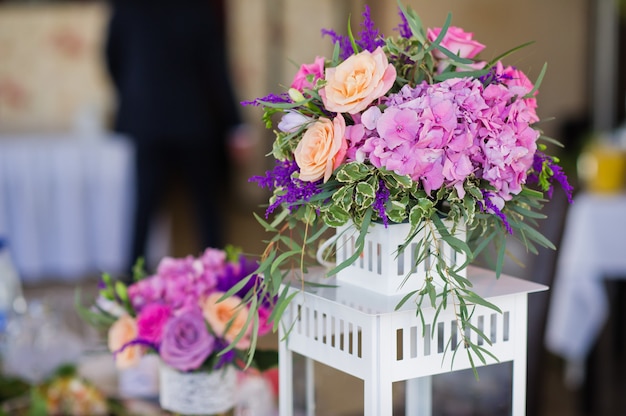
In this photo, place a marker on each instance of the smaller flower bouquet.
(184, 314)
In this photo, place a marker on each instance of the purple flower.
(294, 192)
(369, 36)
(554, 172)
(368, 39)
(186, 341)
(382, 196)
(225, 358)
(270, 98)
(492, 208)
(345, 46)
(403, 27)
(234, 273)
(561, 178)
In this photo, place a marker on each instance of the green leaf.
(501, 244)
(359, 244)
(484, 242)
(436, 44)
(538, 82)
(417, 215)
(531, 193)
(244, 328)
(415, 24)
(265, 359)
(507, 53)
(460, 74)
(474, 298)
(336, 51)
(402, 180)
(352, 172)
(237, 287)
(100, 319)
(283, 301)
(280, 259)
(527, 212)
(264, 223)
(405, 299)
(343, 197)
(537, 236)
(366, 190)
(355, 47)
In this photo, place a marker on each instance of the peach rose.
(218, 315)
(322, 149)
(356, 82)
(121, 333)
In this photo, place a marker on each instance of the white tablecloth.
(65, 204)
(593, 248)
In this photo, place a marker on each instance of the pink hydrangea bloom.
(441, 134)
(145, 291)
(519, 84)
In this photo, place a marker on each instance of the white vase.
(383, 268)
(197, 393)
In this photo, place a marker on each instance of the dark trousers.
(158, 164)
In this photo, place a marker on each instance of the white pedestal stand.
(360, 333)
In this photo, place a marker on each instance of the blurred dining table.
(65, 203)
(593, 249)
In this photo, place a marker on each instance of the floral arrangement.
(413, 129)
(64, 392)
(183, 314)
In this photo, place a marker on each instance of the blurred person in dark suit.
(168, 62)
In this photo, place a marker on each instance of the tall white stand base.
(362, 334)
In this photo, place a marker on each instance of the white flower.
(292, 121)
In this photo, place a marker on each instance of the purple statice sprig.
(493, 77)
(382, 196)
(369, 38)
(489, 207)
(137, 341)
(226, 358)
(345, 46)
(545, 171)
(403, 27)
(270, 98)
(272, 104)
(293, 192)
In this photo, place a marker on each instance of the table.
(593, 248)
(362, 334)
(65, 203)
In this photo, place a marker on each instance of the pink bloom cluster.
(180, 282)
(439, 134)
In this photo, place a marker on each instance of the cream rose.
(219, 314)
(356, 82)
(321, 149)
(121, 333)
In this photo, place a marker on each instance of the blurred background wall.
(50, 65)
(51, 73)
